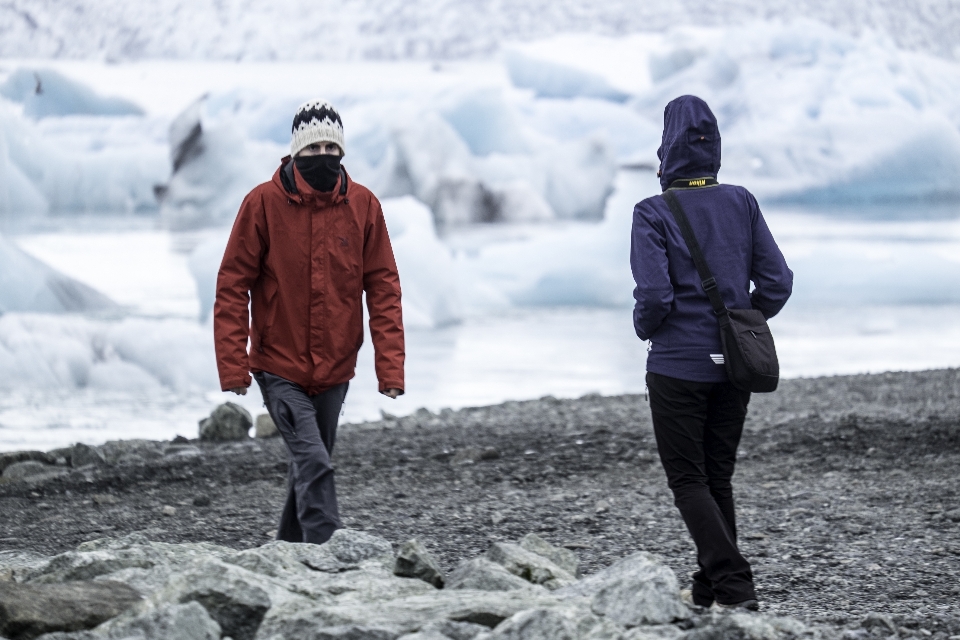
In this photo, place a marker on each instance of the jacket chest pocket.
(345, 248)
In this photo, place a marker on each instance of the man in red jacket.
(304, 249)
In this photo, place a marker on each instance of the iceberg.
(133, 355)
(213, 167)
(27, 284)
(550, 79)
(45, 93)
(77, 164)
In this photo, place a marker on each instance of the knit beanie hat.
(316, 121)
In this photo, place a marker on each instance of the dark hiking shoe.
(749, 605)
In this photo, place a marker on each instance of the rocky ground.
(847, 489)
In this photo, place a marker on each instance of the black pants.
(698, 427)
(308, 425)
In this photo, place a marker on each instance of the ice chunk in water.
(45, 93)
(27, 284)
(554, 80)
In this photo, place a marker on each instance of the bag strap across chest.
(707, 280)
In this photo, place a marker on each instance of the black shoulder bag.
(749, 354)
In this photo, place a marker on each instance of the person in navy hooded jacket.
(697, 414)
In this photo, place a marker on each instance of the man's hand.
(392, 393)
(240, 391)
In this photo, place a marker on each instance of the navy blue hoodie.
(672, 310)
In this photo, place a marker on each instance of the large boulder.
(31, 471)
(414, 561)
(403, 615)
(531, 567)
(639, 589)
(28, 610)
(180, 621)
(537, 624)
(8, 458)
(82, 455)
(238, 605)
(265, 426)
(563, 558)
(15, 566)
(483, 575)
(724, 626)
(229, 421)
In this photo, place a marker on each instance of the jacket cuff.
(233, 383)
(391, 384)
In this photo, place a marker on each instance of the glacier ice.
(550, 79)
(46, 92)
(77, 164)
(27, 284)
(40, 351)
(431, 297)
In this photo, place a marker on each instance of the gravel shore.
(847, 492)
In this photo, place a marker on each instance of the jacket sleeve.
(381, 282)
(648, 260)
(239, 269)
(772, 279)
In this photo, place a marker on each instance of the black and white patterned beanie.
(316, 121)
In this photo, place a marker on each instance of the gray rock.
(350, 632)
(953, 514)
(237, 605)
(229, 421)
(483, 575)
(536, 624)
(182, 451)
(748, 627)
(425, 635)
(346, 550)
(15, 566)
(638, 589)
(884, 623)
(32, 471)
(448, 629)
(414, 561)
(84, 454)
(529, 566)
(265, 428)
(653, 632)
(563, 558)
(401, 615)
(181, 622)
(352, 546)
(28, 610)
(12, 457)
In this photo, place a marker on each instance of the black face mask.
(320, 172)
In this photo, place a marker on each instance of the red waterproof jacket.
(302, 260)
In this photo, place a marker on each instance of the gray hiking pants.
(308, 425)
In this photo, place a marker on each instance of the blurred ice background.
(508, 143)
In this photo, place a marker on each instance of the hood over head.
(691, 141)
